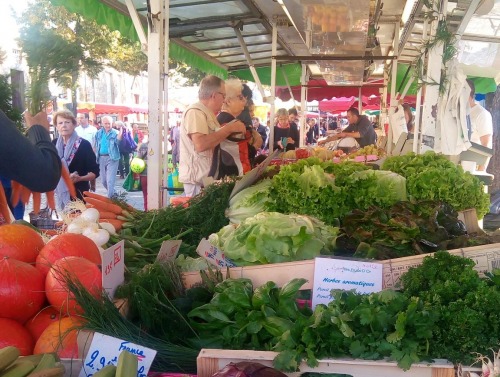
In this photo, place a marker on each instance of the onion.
(108, 227)
(74, 227)
(99, 236)
(91, 215)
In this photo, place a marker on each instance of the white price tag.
(213, 255)
(105, 350)
(113, 267)
(329, 273)
(168, 250)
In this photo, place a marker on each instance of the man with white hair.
(107, 152)
(200, 133)
(86, 131)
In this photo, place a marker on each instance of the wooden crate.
(486, 257)
(210, 361)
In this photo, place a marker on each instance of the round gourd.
(60, 337)
(137, 165)
(21, 290)
(14, 334)
(67, 245)
(20, 242)
(78, 269)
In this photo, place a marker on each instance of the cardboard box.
(210, 361)
(486, 257)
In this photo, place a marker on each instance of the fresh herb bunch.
(432, 176)
(384, 324)
(467, 306)
(204, 215)
(239, 317)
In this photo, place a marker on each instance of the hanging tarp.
(318, 90)
(104, 15)
(292, 72)
(336, 105)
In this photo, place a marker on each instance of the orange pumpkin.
(77, 269)
(20, 242)
(21, 290)
(14, 334)
(67, 245)
(60, 337)
(37, 324)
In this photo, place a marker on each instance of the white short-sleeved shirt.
(482, 124)
(87, 133)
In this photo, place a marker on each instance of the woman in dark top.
(76, 154)
(284, 131)
(31, 161)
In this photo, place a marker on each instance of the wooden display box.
(210, 361)
(486, 257)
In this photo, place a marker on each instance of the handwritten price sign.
(113, 267)
(213, 255)
(330, 273)
(104, 350)
(168, 250)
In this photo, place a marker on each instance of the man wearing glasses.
(200, 133)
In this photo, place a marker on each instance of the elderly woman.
(286, 134)
(76, 155)
(108, 153)
(233, 106)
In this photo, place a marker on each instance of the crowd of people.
(219, 136)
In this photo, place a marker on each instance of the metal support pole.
(394, 77)
(303, 98)
(155, 55)
(137, 24)
(166, 124)
(274, 44)
(249, 61)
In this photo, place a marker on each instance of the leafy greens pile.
(272, 237)
(431, 176)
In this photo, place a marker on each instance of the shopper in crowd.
(333, 125)
(286, 134)
(200, 133)
(108, 153)
(293, 116)
(126, 146)
(262, 130)
(409, 118)
(76, 155)
(31, 161)
(312, 134)
(481, 123)
(174, 141)
(359, 128)
(87, 131)
(142, 152)
(137, 134)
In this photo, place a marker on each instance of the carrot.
(100, 197)
(102, 206)
(117, 224)
(25, 194)
(4, 206)
(37, 202)
(107, 215)
(15, 196)
(51, 201)
(50, 232)
(69, 183)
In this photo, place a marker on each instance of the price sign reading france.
(104, 350)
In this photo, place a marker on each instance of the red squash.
(67, 245)
(77, 269)
(14, 334)
(21, 290)
(37, 324)
(20, 242)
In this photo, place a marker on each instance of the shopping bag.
(132, 182)
(173, 182)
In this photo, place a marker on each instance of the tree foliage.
(6, 97)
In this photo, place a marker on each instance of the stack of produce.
(33, 274)
(42, 365)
